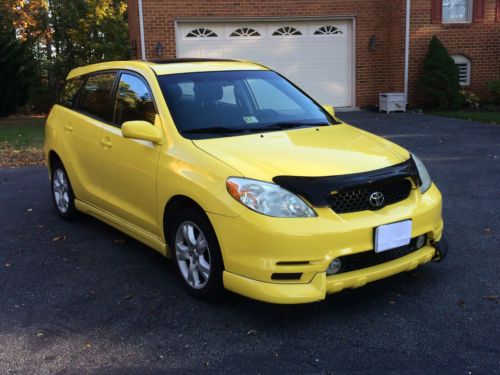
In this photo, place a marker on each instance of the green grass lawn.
(488, 117)
(23, 133)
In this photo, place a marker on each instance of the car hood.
(323, 151)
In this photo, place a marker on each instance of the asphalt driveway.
(82, 297)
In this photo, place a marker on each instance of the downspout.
(407, 48)
(141, 30)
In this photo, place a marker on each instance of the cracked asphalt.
(83, 298)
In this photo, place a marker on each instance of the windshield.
(215, 104)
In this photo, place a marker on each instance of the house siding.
(378, 70)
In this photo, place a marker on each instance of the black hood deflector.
(317, 190)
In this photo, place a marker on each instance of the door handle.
(106, 142)
(68, 128)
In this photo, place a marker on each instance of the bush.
(471, 99)
(494, 89)
(439, 81)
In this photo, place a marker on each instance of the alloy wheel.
(193, 254)
(61, 190)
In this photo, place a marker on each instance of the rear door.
(129, 165)
(82, 128)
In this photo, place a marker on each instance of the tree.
(439, 81)
(64, 34)
(16, 69)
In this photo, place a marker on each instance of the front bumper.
(321, 284)
(256, 247)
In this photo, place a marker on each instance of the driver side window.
(133, 101)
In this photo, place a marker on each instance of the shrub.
(471, 99)
(494, 89)
(439, 81)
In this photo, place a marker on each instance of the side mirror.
(141, 130)
(329, 109)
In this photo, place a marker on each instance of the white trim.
(141, 29)
(407, 48)
(467, 21)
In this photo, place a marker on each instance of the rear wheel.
(62, 193)
(196, 254)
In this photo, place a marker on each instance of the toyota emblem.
(376, 199)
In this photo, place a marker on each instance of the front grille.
(367, 259)
(358, 199)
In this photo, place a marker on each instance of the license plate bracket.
(391, 236)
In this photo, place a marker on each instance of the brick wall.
(377, 70)
(480, 42)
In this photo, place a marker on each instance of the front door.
(129, 166)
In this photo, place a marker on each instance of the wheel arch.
(53, 157)
(175, 204)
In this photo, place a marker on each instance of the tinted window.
(68, 94)
(94, 98)
(133, 101)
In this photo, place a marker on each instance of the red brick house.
(343, 52)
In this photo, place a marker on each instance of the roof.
(172, 66)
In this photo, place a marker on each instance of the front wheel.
(62, 193)
(196, 254)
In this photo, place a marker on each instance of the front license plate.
(390, 236)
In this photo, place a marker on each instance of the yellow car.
(240, 177)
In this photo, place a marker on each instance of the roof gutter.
(407, 48)
(141, 30)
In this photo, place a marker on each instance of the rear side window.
(133, 101)
(94, 98)
(67, 97)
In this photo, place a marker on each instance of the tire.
(196, 254)
(62, 193)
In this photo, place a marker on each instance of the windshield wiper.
(215, 130)
(287, 125)
(250, 129)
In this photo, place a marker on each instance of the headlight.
(425, 178)
(268, 199)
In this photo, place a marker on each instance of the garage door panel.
(316, 55)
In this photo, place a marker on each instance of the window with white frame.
(464, 68)
(457, 11)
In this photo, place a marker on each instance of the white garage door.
(316, 55)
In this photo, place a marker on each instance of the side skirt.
(124, 226)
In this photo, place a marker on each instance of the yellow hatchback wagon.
(240, 177)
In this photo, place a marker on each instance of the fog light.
(334, 267)
(420, 241)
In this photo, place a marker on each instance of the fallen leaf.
(11, 157)
(7, 265)
(252, 332)
(29, 209)
(490, 298)
(88, 345)
(58, 238)
(39, 334)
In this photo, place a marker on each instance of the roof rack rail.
(185, 60)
